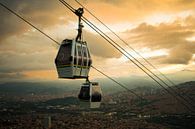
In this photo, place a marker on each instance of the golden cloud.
(171, 36)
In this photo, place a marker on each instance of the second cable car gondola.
(91, 93)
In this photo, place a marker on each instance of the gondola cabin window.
(85, 56)
(64, 52)
(84, 52)
(79, 55)
(75, 56)
(79, 50)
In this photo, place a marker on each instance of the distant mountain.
(159, 101)
(163, 102)
(190, 84)
(61, 87)
(36, 88)
(182, 76)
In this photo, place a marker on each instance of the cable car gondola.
(73, 59)
(91, 93)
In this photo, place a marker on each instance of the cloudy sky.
(161, 31)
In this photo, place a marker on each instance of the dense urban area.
(120, 110)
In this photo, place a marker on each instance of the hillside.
(162, 102)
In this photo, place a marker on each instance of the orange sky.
(162, 31)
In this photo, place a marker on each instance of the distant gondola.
(91, 93)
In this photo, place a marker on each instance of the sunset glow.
(161, 31)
